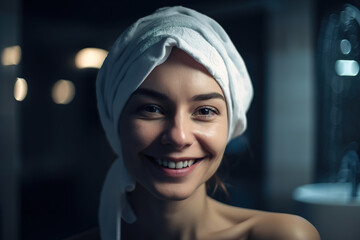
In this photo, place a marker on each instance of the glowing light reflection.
(11, 55)
(90, 58)
(63, 92)
(20, 89)
(345, 46)
(347, 67)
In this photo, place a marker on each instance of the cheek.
(213, 138)
(136, 135)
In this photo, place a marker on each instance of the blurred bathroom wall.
(290, 116)
(339, 86)
(311, 112)
(10, 165)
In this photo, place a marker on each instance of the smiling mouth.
(174, 164)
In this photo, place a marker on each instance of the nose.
(179, 132)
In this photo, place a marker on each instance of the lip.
(173, 159)
(173, 172)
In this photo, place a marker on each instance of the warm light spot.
(90, 58)
(11, 56)
(347, 68)
(63, 92)
(20, 89)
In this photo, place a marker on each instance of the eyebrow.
(161, 96)
(208, 96)
(151, 93)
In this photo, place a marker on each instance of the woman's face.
(174, 128)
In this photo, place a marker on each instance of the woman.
(171, 94)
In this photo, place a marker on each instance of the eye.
(206, 113)
(150, 111)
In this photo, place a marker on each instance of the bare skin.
(204, 218)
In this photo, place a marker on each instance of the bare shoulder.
(279, 226)
(260, 225)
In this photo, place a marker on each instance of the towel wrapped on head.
(143, 46)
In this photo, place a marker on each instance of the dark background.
(63, 149)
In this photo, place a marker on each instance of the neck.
(167, 219)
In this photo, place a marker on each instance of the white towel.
(143, 46)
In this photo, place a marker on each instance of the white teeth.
(173, 165)
(179, 165)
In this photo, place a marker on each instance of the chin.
(173, 192)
